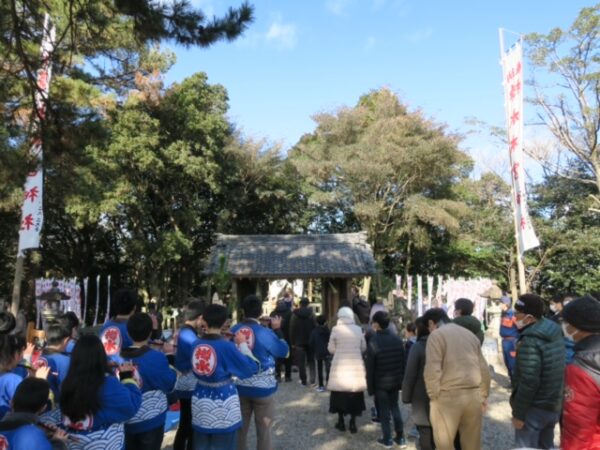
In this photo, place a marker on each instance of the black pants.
(148, 440)
(388, 409)
(304, 354)
(183, 437)
(284, 364)
(320, 363)
(426, 438)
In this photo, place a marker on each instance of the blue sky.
(307, 56)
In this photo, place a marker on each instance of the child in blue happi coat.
(215, 404)
(94, 403)
(146, 429)
(114, 334)
(186, 382)
(256, 393)
(53, 357)
(70, 321)
(21, 429)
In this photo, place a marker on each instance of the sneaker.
(321, 389)
(385, 444)
(303, 383)
(400, 442)
(414, 433)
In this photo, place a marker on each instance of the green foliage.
(380, 168)
(568, 101)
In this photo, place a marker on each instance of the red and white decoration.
(204, 360)
(512, 68)
(32, 213)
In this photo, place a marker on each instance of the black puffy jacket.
(301, 325)
(385, 362)
(538, 377)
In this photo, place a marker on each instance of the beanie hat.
(583, 313)
(345, 313)
(530, 304)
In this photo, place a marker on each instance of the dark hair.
(139, 327)
(436, 315)
(69, 320)
(215, 315)
(321, 319)
(193, 310)
(382, 319)
(411, 327)
(558, 298)
(10, 345)
(7, 322)
(151, 306)
(464, 305)
(31, 395)
(252, 306)
(421, 327)
(57, 333)
(125, 301)
(79, 393)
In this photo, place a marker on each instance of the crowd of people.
(112, 389)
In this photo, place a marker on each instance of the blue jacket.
(19, 432)
(59, 366)
(118, 403)
(186, 383)
(8, 385)
(156, 379)
(508, 326)
(265, 346)
(114, 337)
(70, 346)
(215, 403)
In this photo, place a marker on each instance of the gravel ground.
(302, 420)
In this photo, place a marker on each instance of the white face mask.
(553, 307)
(568, 335)
(521, 323)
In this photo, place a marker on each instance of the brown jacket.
(453, 361)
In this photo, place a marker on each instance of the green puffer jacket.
(538, 376)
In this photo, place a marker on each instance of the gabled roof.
(293, 256)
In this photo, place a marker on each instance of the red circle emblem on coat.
(111, 339)
(204, 360)
(39, 363)
(3, 443)
(248, 334)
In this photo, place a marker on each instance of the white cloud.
(421, 35)
(282, 35)
(370, 43)
(338, 7)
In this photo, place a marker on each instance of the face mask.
(553, 308)
(568, 335)
(521, 323)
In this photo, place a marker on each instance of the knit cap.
(583, 313)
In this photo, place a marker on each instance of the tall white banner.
(512, 69)
(32, 213)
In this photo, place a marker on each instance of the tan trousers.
(457, 411)
(264, 413)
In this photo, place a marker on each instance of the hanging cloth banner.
(512, 69)
(409, 287)
(430, 292)
(419, 295)
(108, 300)
(86, 281)
(97, 300)
(32, 213)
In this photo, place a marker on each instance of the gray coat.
(413, 385)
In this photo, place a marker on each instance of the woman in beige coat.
(347, 379)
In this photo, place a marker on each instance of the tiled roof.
(293, 255)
